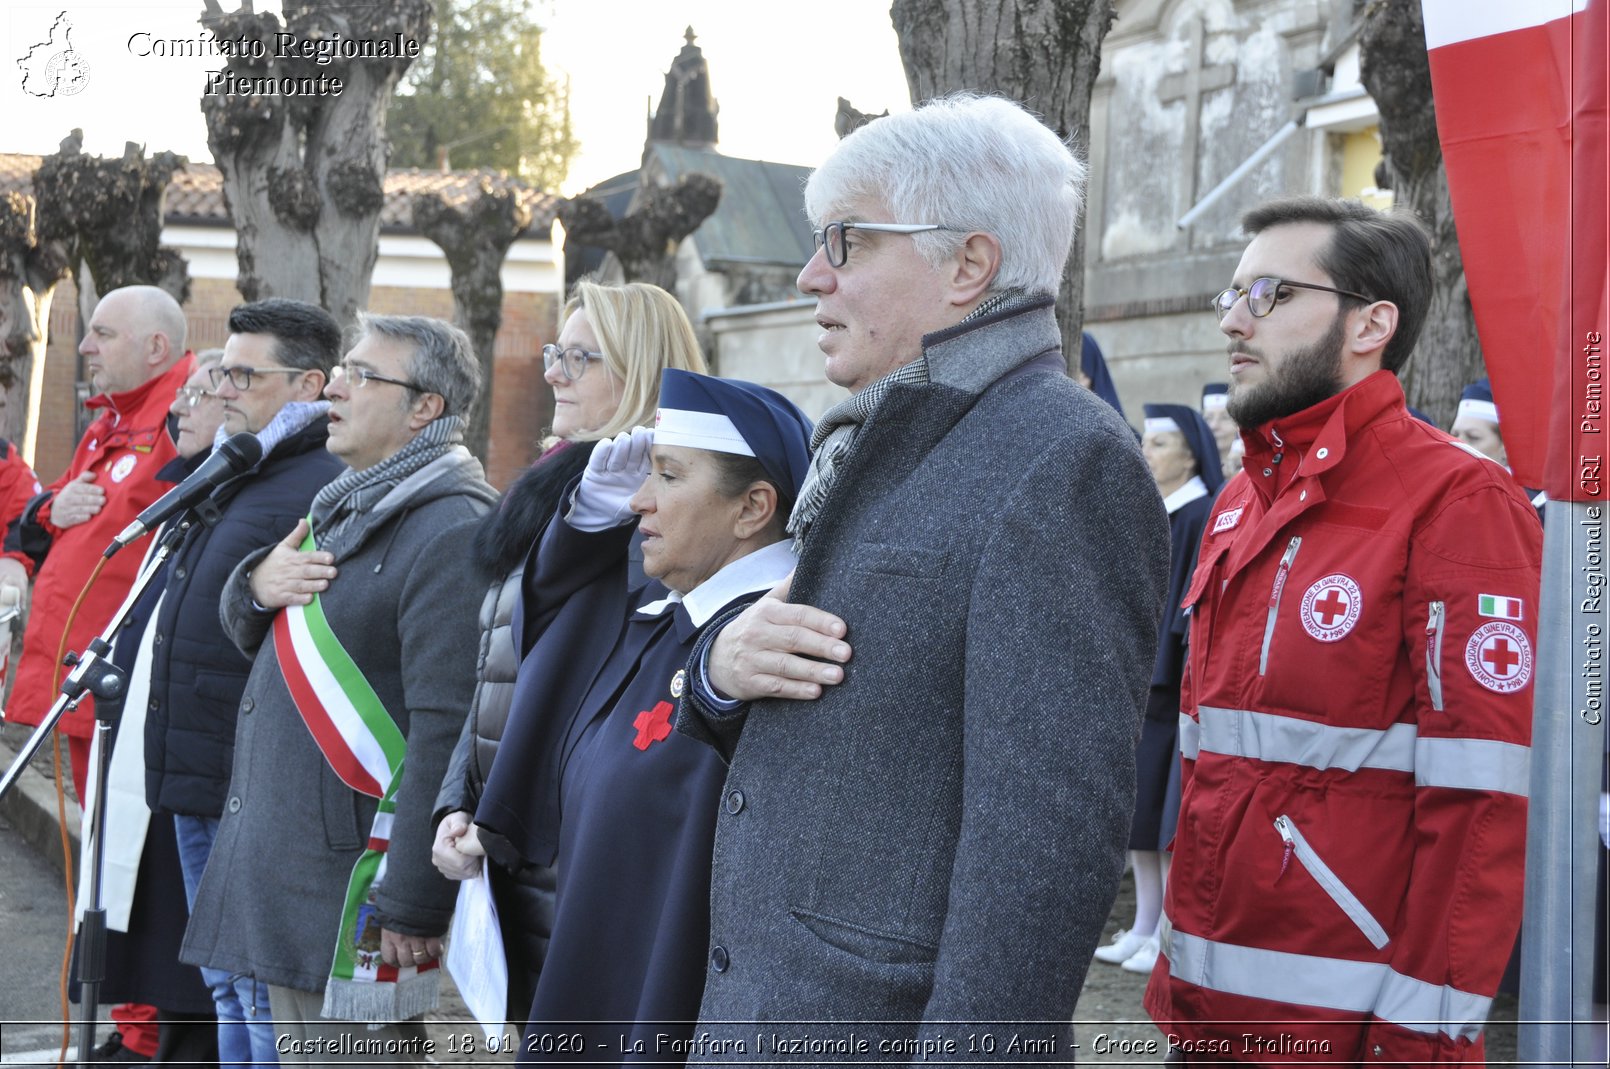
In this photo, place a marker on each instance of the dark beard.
(1305, 378)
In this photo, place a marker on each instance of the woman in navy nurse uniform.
(1184, 459)
(591, 776)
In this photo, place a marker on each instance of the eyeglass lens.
(831, 237)
(573, 360)
(1260, 297)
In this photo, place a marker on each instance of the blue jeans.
(245, 1026)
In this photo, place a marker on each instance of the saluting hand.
(775, 649)
(288, 576)
(614, 473)
(77, 502)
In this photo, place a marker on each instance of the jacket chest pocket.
(1201, 597)
(1330, 626)
(879, 559)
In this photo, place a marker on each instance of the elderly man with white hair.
(933, 829)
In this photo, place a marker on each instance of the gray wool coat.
(940, 837)
(402, 604)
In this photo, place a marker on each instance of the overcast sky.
(777, 71)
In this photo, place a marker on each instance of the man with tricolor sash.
(1356, 712)
(320, 883)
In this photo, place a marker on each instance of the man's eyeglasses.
(360, 377)
(1264, 292)
(191, 396)
(573, 361)
(831, 236)
(241, 377)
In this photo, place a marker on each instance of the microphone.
(238, 453)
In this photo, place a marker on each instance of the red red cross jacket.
(1355, 730)
(126, 446)
(18, 485)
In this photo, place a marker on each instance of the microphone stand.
(95, 673)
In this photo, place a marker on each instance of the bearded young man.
(1357, 706)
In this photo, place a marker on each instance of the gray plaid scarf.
(353, 493)
(836, 431)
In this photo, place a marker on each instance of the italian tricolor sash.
(364, 747)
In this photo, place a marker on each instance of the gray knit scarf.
(291, 418)
(352, 493)
(836, 431)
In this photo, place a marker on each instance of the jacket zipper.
(1435, 618)
(1274, 600)
(1332, 884)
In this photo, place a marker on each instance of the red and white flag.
(1520, 90)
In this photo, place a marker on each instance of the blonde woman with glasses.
(604, 369)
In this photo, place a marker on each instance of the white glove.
(1604, 819)
(615, 471)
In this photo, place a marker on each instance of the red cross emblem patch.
(1331, 607)
(1499, 657)
(653, 725)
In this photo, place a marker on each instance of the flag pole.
(1568, 747)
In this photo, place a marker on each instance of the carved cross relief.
(1190, 86)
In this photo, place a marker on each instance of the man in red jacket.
(134, 350)
(1357, 706)
(135, 353)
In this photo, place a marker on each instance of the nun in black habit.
(1184, 458)
(591, 777)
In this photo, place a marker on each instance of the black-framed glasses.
(831, 236)
(360, 377)
(573, 361)
(191, 396)
(241, 377)
(1264, 292)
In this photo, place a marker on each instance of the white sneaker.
(1143, 959)
(1123, 945)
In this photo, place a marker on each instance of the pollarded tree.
(1396, 70)
(645, 239)
(476, 236)
(30, 268)
(1044, 53)
(484, 107)
(102, 214)
(304, 165)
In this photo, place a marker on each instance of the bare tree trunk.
(85, 210)
(109, 212)
(29, 271)
(1044, 53)
(646, 239)
(476, 238)
(304, 174)
(1396, 71)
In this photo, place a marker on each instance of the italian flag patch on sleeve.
(1499, 608)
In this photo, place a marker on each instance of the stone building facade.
(1190, 91)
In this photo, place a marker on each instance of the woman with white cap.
(591, 776)
(1180, 449)
(605, 374)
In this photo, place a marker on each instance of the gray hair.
(443, 360)
(972, 163)
(209, 357)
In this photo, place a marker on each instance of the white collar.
(1185, 495)
(754, 572)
